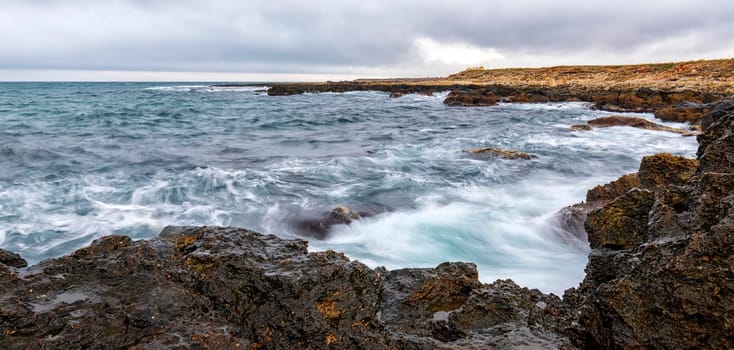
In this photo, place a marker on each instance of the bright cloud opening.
(433, 51)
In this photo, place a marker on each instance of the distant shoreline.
(680, 91)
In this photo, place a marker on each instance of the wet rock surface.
(213, 287)
(656, 172)
(319, 226)
(501, 153)
(12, 259)
(640, 123)
(664, 279)
(470, 98)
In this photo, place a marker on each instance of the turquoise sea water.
(82, 160)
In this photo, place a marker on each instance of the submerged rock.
(582, 127)
(502, 153)
(319, 226)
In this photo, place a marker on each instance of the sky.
(290, 40)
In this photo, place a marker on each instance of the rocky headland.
(682, 91)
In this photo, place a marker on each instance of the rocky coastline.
(660, 273)
(681, 92)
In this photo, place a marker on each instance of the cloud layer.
(346, 37)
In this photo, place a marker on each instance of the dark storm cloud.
(329, 36)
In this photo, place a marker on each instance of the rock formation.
(635, 122)
(502, 153)
(660, 273)
(207, 287)
(470, 98)
(318, 227)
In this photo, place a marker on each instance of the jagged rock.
(614, 189)
(646, 99)
(447, 307)
(12, 259)
(502, 153)
(194, 287)
(640, 123)
(716, 145)
(571, 219)
(673, 288)
(319, 227)
(228, 288)
(664, 169)
(622, 223)
(685, 112)
(655, 173)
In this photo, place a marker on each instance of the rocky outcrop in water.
(501, 153)
(639, 123)
(473, 98)
(319, 226)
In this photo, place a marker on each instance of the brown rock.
(498, 152)
(669, 281)
(716, 145)
(685, 113)
(12, 259)
(571, 219)
(614, 189)
(621, 224)
(618, 120)
(470, 98)
(528, 97)
(447, 308)
(582, 127)
(447, 290)
(664, 169)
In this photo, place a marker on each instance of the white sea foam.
(207, 88)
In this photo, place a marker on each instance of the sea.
(79, 161)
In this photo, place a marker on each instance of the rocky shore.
(682, 92)
(660, 275)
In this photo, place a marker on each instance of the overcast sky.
(240, 40)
